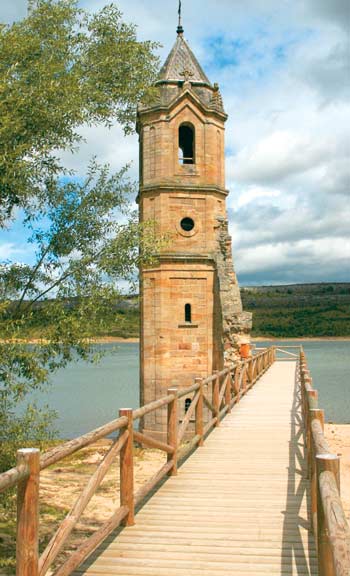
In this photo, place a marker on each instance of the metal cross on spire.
(180, 29)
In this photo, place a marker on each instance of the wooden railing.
(211, 399)
(330, 526)
(288, 353)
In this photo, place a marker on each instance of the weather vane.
(180, 28)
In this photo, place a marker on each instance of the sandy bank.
(119, 340)
(301, 339)
(111, 339)
(338, 436)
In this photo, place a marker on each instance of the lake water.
(87, 395)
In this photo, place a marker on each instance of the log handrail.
(329, 523)
(92, 543)
(223, 389)
(219, 392)
(64, 530)
(13, 476)
(286, 352)
(152, 442)
(68, 448)
(152, 406)
(189, 414)
(148, 487)
(336, 523)
(208, 404)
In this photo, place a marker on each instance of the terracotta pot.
(244, 350)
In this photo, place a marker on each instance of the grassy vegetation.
(309, 310)
(300, 310)
(122, 321)
(60, 486)
(297, 310)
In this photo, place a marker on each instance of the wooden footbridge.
(250, 486)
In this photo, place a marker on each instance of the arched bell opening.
(186, 144)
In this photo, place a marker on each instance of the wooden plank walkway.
(239, 504)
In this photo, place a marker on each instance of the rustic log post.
(318, 415)
(253, 370)
(236, 383)
(250, 371)
(228, 392)
(27, 548)
(199, 412)
(216, 392)
(127, 470)
(305, 412)
(310, 397)
(330, 463)
(244, 379)
(307, 378)
(303, 394)
(173, 421)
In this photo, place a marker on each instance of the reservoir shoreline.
(135, 340)
(85, 395)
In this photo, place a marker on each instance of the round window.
(187, 224)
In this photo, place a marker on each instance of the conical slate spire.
(182, 64)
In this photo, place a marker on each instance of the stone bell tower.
(191, 311)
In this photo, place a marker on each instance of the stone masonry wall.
(236, 324)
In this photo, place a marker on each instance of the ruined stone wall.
(236, 324)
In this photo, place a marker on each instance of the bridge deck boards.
(239, 505)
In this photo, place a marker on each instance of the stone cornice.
(186, 94)
(185, 256)
(200, 189)
(182, 258)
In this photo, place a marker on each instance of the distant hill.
(299, 310)
(296, 310)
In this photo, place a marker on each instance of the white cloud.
(279, 155)
(331, 11)
(253, 193)
(10, 250)
(284, 75)
(281, 262)
(108, 145)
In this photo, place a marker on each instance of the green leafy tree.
(60, 68)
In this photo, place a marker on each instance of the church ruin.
(192, 321)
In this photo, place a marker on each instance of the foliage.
(82, 251)
(61, 68)
(309, 310)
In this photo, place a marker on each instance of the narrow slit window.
(186, 144)
(188, 313)
(188, 402)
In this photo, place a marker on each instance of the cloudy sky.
(283, 70)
